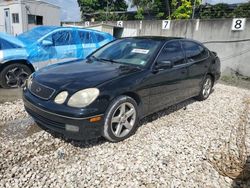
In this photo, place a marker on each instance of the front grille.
(41, 91)
(45, 121)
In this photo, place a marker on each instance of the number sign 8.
(238, 24)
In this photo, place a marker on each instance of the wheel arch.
(134, 96)
(20, 61)
(212, 76)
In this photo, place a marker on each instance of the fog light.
(72, 128)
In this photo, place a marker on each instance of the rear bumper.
(57, 123)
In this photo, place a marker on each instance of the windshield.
(35, 34)
(135, 51)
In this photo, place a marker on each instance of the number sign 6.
(166, 24)
(238, 24)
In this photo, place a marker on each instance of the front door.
(7, 20)
(167, 86)
(64, 46)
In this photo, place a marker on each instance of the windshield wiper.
(109, 60)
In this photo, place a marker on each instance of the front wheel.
(206, 89)
(121, 119)
(14, 75)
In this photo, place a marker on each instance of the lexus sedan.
(42, 46)
(117, 85)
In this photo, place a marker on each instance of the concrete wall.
(235, 56)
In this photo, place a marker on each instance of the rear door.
(198, 62)
(167, 86)
(89, 42)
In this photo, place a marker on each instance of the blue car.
(42, 46)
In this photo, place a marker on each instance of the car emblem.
(38, 90)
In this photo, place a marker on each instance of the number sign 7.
(166, 24)
(238, 24)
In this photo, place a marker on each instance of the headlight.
(83, 98)
(61, 97)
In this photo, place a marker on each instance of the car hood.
(11, 39)
(77, 75)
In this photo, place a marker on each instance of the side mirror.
(47, 43)
(164, 65)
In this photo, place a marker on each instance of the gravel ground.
(191, 144)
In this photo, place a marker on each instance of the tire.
(17, 74)
(121, 119)
(206, 89)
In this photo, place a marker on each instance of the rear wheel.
(206, 88)
(14, 75)
(121, 119)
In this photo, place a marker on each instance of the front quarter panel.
(131, 85)
(13, 54)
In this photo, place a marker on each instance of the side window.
(172, 52)
(86, 37)
(62, 38)
(82, 35)
(194, 51)
(89, 38)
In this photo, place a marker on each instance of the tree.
(102, 9)
(183, 9)
(225, 11)
(149, 7)
(242, 10)
(215, 11)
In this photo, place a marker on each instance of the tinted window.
(86, 37)
(194, 51)
(62, 38)
(172, 52)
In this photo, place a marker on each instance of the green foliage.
(184, 11)
(148, 7)
(223, 11)
(102, 9)
(216, 11)
(139, 14)
(243, 11)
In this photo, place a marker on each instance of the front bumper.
(57, 123)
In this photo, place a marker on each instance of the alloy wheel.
(123, 120)
(16, 77)
(207, 87)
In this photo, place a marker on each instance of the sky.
(70, 10)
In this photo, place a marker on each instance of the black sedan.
(117, 85)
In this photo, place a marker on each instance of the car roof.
(158, 38)
(52, 28)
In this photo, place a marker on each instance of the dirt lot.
(192, 144)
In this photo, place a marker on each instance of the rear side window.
(62, 38)
(172, 52)
(86, 37)
(194, 51)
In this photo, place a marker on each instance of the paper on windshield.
(140, 51)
